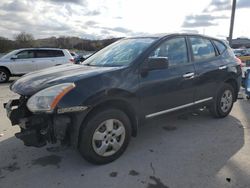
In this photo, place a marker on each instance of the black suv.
(97, 106)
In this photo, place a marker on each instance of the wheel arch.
(5, 68)
(120, 104)
(234, 84)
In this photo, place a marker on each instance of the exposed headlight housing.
(46, 100)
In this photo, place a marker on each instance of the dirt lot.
(188, 150)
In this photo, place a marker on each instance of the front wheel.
(105, 136)
(4, 75)
(223, 102)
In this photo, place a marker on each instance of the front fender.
(115, 98)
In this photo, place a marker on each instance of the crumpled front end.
(37, 129)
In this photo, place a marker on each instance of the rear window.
(220, 46)
(49, 53)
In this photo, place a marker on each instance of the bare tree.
(6, 44)
(24, 40)
(63, 42)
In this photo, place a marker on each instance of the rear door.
(59, 57)
(164, 90)
(48, 58)
(209, 66)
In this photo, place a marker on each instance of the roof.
(163, 35)
(40, 49)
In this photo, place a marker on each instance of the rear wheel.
(105, 136)
(223, 102)
(4, 75)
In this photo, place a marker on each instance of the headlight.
(47, 99)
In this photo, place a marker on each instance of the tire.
(4, 75)
(105, 136)
(223, 102)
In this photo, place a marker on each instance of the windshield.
(9, 55)
(120, 53)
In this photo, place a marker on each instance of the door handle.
(222, 67)
(189, 75)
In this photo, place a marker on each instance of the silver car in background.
(23, 61)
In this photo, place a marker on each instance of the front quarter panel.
(8, 64)
(119, 85)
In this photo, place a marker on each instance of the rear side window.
(220, 46)
(202, 48)
(49, 53)
(57, 53)
(26, 54)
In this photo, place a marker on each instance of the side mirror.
(14, 57)
(157, 63)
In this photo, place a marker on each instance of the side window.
(202, 48)
(220, 46)
(56, 53)
(174, 49)
(26, 54)
(42, 53)
(49, 53)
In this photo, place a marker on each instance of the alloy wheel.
(3, 76)
(226, 101)
(109, 137)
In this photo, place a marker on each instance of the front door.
(169, 89)
(25, 62)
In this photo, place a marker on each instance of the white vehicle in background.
(74, 54)
(22, 61)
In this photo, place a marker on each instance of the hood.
(33, 82)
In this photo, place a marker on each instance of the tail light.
(72, 60)
(241, 63)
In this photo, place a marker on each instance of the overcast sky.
(118, 18)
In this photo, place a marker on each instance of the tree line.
(27, 40)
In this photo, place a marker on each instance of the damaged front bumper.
(37, 129)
